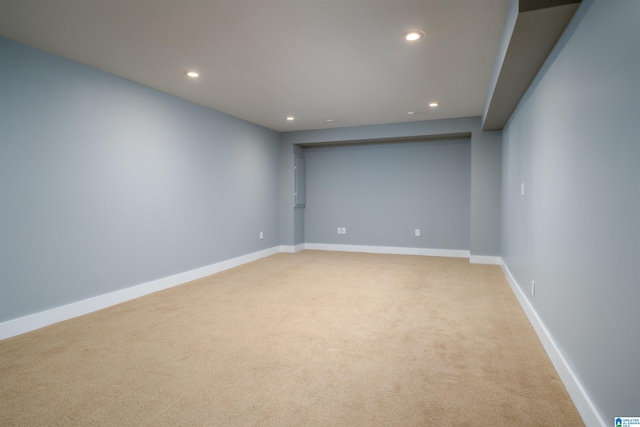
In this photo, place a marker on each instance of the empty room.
(319, 212)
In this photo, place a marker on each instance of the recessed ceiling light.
(433, 104)
(330, 121)
(192, 74)
(413, 35)
(411, 113)
(291, 118)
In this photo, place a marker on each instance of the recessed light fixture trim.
(434, 104)
(192, 74)
(290, 118)
(330, 120)
(413, 35)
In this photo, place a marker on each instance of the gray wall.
(484, 229)
(106, 184)
(288, 221)
(382, 192)
(486, 155)
(575, 142)
(298, 212)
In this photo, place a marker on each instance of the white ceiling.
(262, 60)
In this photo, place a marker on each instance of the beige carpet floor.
(307, 339)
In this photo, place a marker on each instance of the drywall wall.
(381, 193)
(574, 141)
(106, 184)
(484, 229)
(486, 155)
(287, 194)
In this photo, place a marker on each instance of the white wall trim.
(292, 249)
(391, 250)
(39, 320)
(578, 394)
(483, 259)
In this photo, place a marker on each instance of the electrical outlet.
(417, 232)
(533, 288)
(261, 235)
(344, 230)
(339, 230)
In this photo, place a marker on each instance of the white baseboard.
(483, 259)
(292, 249)
(391, 250)
(39, 320)
(578, 394)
